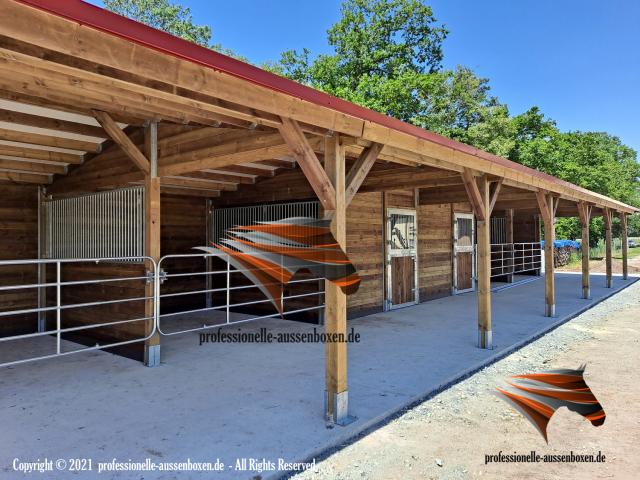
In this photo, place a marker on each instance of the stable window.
(99, 225)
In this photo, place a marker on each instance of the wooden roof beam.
(360, 169)
(32, 167)
(309, 163)
(19, 177)
(121, 139)
(48, 140)
(40, 154)
(473, 192)
(38, 121)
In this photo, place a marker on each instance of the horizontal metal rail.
(511, 258)
(155, 276)
(59, 307)
(228, 289)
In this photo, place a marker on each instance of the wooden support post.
(483, 205)
(584, 211)
(547, 211)
(625, 246)
(336, 400)
(152, 237)
(509, 230)
(608, 241)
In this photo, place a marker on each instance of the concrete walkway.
(232, 401)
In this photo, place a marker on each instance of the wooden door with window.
(463, 253)
(401, 258)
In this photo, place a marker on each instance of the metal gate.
(58, 326)
(218, 307)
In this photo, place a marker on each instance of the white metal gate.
(52, 340)
(222, 310)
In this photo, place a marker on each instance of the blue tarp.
(564, 243)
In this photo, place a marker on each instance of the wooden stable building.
(122, 148)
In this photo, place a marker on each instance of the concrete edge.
(386, 417)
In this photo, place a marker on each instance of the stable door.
(463, 253)
(401, 258)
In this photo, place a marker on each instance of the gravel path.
(448, 436)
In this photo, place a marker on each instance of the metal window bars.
(58, 307)
(511, 258)
(104, 224)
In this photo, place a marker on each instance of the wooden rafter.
(121, 139)
(48, 140)
(360, 169)
(475, 198)
(309, 163)
(38, 154)
(191, 192)
(32, 167)
(197, 183)
(38, 121)
(250, 148)
(222, 177)
(25, 177)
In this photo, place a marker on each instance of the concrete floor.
(232, 401)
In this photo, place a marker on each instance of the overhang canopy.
(76, 58)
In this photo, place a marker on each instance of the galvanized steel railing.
(511, 258)
(226, 307)
(157, 277)
(58, 306)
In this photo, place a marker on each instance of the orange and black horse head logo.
(538, 395)
(269, 254)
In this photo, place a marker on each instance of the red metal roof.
(87, 14)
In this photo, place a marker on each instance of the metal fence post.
(228, 286)
(58, 305)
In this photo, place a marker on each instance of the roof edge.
(109, 22)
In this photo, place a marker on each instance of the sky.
(578, 60)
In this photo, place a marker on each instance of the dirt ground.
(448, 436)
(598, 266)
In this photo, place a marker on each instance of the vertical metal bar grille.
(498, 230)
(225, 218)
(105, 224)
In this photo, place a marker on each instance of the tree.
(163, 15)
(382, 51)
(169, 17)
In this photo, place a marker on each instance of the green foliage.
(633, 225)
(387, 56)
(170, 17)
(163, 15)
